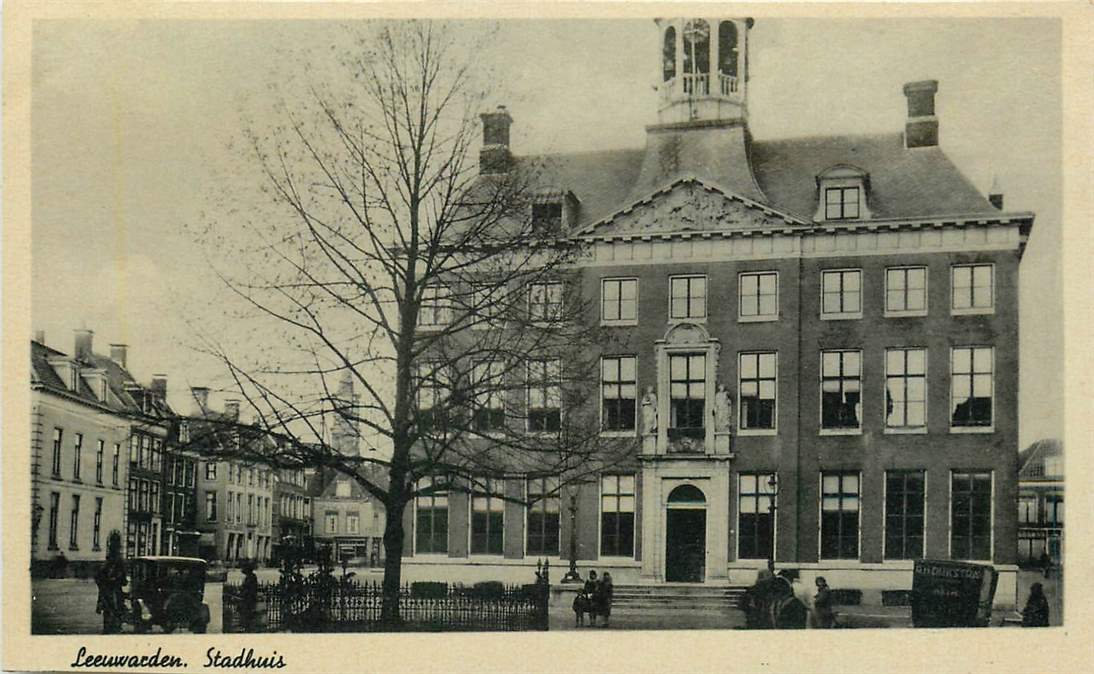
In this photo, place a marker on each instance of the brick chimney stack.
(200, 395)
(231, 408)
(82, 350)
(494, 157)
(995, 193)
(921, 129)
(119, 354)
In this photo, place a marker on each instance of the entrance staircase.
(682, 596)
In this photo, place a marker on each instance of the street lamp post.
(572, 576)
(773, 485)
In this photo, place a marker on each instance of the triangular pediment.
(691, 205)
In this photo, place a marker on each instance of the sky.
(132, 123)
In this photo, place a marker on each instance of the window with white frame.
(74, 523)
(210, 471)
(330, 521)
(1054, 510)
(756, 516)
(543, 512)
(972, 386)
(487, 518)
(970, 516)
(58, 437)
(758, 376)
(758, 295)
(100, 450)
(619, 300)
(905, 497)
(77, 449)
(841, 293)
(839, 515)
(687, 297)
(432, 396)
(972, 288)
(431, 517)
(906, 388)
(545, 302)
(435, 307)
(545, 395)
(486, 299)
(1027, 510)
(841, 390)
(353, 523)
(489, 413)
(841, 203)
(618, 393)
(906, 291)
(617, 516)
(687, 394)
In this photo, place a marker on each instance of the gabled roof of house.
(1031, 460)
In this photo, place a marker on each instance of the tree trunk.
(394, 536)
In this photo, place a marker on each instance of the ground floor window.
(431, 519)
(543, 509)
(617, 515)
(755, 516)
(970, 516)
(54, 507)
(839, 515)
(904, 497)
(487, 519)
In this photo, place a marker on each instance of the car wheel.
(199, 628)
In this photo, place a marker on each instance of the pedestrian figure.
(588, 599)
(111, 580)
(756, 601)
(248, 596)
(823, 616)
(604, 598)
(787, 611)
(1036, 612)
(1046, 564)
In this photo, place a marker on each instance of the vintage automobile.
(168, 591)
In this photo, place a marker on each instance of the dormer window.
(547, 218)
(842, 194)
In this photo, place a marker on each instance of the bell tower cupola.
(704, 69)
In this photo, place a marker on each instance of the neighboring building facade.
(815, 352)
(346, 519)
(85, 411)
(292, 525)
(1041, 502)
(180, 536)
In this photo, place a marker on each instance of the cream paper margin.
(1066, 649)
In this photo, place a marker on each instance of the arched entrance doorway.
(686, 535)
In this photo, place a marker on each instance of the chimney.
(231, 408)
(995, 193)
(200, 395)
(494, 157)
(82, 350)
(159, 386)
(40, 337)
(921, 130)
(118, 354)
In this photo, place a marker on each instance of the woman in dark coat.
(111, 580)
(1036, 611)
(584, 603)
(823, 616)
(604, 598)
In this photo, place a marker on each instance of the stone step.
(678, 596)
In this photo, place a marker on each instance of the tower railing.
(696, 84)
(727, 84)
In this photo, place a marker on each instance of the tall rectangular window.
(74, 523)
(1027, 510)
(134, 450)
(755, 517)
(543, 509)
(904, 507)
(972, 386)
(210, 506)
(432, 395)
(758, 295)
(239, 506)
(906, 388)
(687, 394)
(839, 515)
(489, 413)
(487, 519)
(972, 287)
(331, 522)
(617, 516)
(618, 393)
(906, 291)
(58, 437)
(154, 497)
(487, 302)
(687, 297)
(841, 293)
(134, 489)
(435, 308)
(545, 395)
(189, 467)
(619, 300)
(1054, 510)
(547, 218)
(210, 471)
(77, 451)
(545, 302)
(97, 524)
(54, 507)
(841, 203)
(100, 450)
(114, 465)
(841, 389)
(757, 386)
(144, 452)
(353, 523)
(431, 519)
(970, 516)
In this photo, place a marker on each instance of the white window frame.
(991, 515)
(635, 523)
(544, 384)
(741, 430)
(758, 318)
(949, 409)
(484, 318)
(327, 519)
(885, 509)
(843, 315)
(906, 429)
(904, 313)
(620, 280)
(820, 516)
(600, 386)
(547, 286)
(438, 296)
(972, 311)
(832, 186)
(490, 483)
(706, 299)
(821, 430)
(447, 494)
(528, 509)
(775, 519)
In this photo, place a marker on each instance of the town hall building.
(815, 353)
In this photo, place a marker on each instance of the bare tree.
(386, 257)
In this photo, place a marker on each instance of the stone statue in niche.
(723, 410)
(649, 412)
